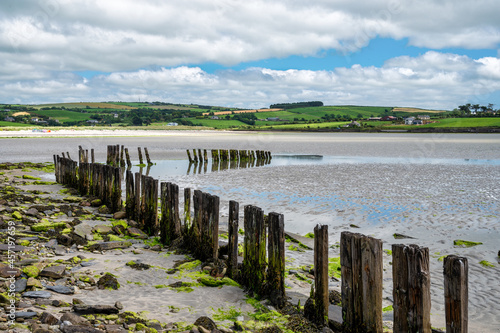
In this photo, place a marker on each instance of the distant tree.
(137, 121)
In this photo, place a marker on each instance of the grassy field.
(84, 105)
(453, 123)
(63, 115)
(9, 124)
(332, 125)
(218, 124)
(416, 110)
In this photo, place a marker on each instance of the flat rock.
(55, 272)
(120, 215)
(75, 319)
(137, 233)
(25, 314)
(21, 285)
(87, 263)
(115, 329)
(7, 272)
(48, 318)
(32, 282)
(37, 294)
(32, 211)
(90, 309)
(60, 250)
(83, 230)
(62, 289)
(102, 229)
(110, 245)
(15, 248)
(80, 329)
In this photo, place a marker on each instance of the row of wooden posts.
(115, 156)
(263, 268)
(224, 155)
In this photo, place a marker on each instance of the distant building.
(115, 115)
(417, 122)
(375, 118)
(35, 120)
(389, 118)
(9, 119)
(424, 117)
(409, 120)
(214, 117)
(273, 119)
(172, 124)
(93, 121)
(353, 124)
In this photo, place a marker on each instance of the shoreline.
(86, 132)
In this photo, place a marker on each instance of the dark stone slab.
(25, 314)
(21, 285)
(90, 309)
(48, 318)
(62, 289)
(7, 272)
(80, 329)
(55, 272)
(104, 246)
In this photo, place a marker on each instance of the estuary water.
(435, 188)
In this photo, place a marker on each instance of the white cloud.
(432, 80)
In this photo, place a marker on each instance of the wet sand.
(435, 203)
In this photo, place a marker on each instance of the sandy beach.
(433, 188)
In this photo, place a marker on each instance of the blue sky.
(430, 54)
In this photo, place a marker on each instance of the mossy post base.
(127, 156)
(170, 227)
(456, 293)
(147, 156)
(276, 259)
(130, 195)
(254, 248)
(141, 162)
(232, 260)
(361, 269)
(411, 291)
(209, 229)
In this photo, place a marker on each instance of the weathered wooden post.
(197, 220)
(205, 156)
(141, 162)
(127, 156)
(232, 258)
(361, 269)
(116, 194)
(147, 156)
(189, 156)
(276, 260)
(170, 227)
(187, 210)
(122, 161)
(254, 248)
(411, 291)
(150, 206)
(138, 199)
(200, 156)
(130, 195)
(456, 294)
(195, 156)
(92, 155)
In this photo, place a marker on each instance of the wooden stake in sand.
(456, 293)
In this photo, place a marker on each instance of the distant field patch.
(220, 113)
(85, 104)
(219, 124)
(416, 110)
(11, 124)
(21, 113)
(63, 115)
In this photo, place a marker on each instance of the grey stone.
(90, 309)
(137, 233)
(21, 285)
(87, 263)
(25, 314)
(60, 250)
(55, 272)
(62, 289)
(15, 248)
(32, 211)
(48, 318)
(75, 319)
(119, 215)
(80, 329)
(7, 272)
(102, 229)
(37, 294)
(51, 243)
(83, 230)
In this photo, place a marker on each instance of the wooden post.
(92, 155)
(205, 157)
(122, 161)
(276, 260)
(138, 199)
(411, 291)
(140, 155)
(195, 156)
(361, 269)
(130, 195)
(197, 220)
(147, 156)
(456, 293)
(116, 194)
(232, 260)
(127, 156)
(213, 225)
(319, 309)
(165, 213)
(254, 247)
(187, 210)
(189, 156)
(170, 224)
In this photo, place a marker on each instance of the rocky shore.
(67, 265)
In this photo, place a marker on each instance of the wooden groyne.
(262, 270)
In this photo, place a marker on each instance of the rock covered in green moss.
(108, 281)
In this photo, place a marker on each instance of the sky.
(433, 54)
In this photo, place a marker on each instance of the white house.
(409, 120)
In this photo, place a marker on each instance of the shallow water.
(435, 188)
